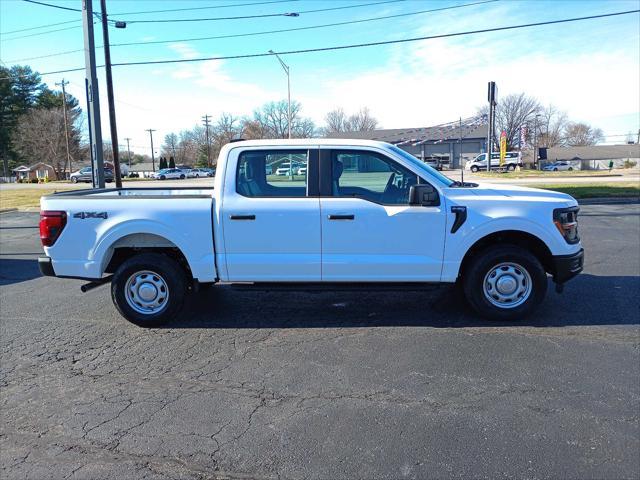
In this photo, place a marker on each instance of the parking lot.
(251, 384)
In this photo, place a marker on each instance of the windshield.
(423, 166)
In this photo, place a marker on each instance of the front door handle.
(242, 217)
(342, 217)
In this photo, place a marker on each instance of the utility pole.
(286, 69)
(153, 158)
(66, 124)
(93, 98)
(129, 153)
(205, 120)
(112, 108)
(460, 154)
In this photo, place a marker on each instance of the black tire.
(482, 264)
(511, 167)
(165, 268)
(74, 179)
(162, 177)
(571, 169)
(555, 169)
(474, 169)
(181, 177)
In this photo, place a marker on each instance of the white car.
(302, 171)
(197, 173)
(367, 213)
(558, 167)
(511, 161)
(285, 169)
(169, 173)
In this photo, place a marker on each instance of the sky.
(589, 69)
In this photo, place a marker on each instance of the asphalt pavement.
(323, 385)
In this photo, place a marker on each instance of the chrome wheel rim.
(507, 285)
(146, 292)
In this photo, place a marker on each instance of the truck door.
(369, 231)
(272, 222)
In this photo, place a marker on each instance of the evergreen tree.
(172, 163)
(163, 163)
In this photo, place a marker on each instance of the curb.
(609, 201)
(7, 210)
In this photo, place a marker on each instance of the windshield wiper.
(457, 184)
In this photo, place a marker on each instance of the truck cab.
(365, 213)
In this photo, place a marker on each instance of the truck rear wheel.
(149, 289)
(504, 282)
(474, 169)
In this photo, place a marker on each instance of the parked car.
(169, 173)
(285, 168)
(367, 213)
(511, 161)
(558, 167)
(85, 175)
(302, 171)
(199, 172)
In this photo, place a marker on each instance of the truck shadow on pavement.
(588, 300)
(13, 270)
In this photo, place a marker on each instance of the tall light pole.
(285, 67)
(66, 123)
(93, 97)
(153, 158)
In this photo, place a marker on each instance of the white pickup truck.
(366, 212)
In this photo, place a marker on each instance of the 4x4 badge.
(84, 215)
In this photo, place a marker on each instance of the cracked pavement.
(255, 384)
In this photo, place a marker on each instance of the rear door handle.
(242, 217)
(342, 217)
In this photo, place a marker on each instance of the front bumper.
(46, 267)
(565, 267)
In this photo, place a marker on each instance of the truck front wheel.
(149, 289)
(504, 282)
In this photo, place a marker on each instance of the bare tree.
(578, 134)
(362, 121)
(552, 125)
(170, 145)
(512, 112)
(336, 121)
(271, 121)
(39, 137)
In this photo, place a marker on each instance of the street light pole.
(286, 69)
(535, 141)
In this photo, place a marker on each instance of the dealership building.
(440, 144)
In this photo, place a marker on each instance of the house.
(441, 144)
(37, 171)
(594, 156)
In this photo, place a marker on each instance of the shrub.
(629, 163)
(33, 180)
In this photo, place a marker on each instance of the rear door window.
(272, 173)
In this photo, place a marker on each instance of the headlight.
(566, 221)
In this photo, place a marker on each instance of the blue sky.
(589, 69)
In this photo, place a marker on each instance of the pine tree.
(172, 163)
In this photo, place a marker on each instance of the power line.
(204, 8)
(41, 26)
(242, 17)
(360, 45)
(267, 32)
(40, 33)
(54, 6)
(384, 42)
(326, 25)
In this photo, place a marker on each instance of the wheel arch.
(133, 244)
(518, 238)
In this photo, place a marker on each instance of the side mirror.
(423, 195)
